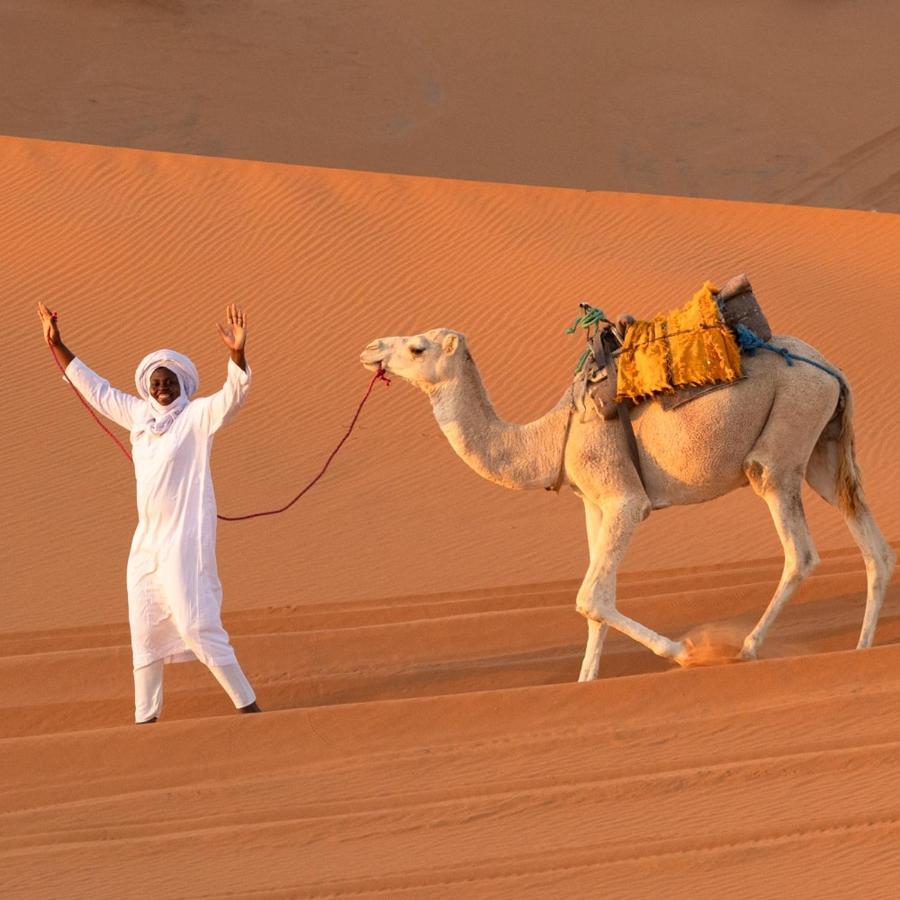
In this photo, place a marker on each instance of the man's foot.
(252, 708)
(146, 721)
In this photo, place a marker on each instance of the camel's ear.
(451, 343)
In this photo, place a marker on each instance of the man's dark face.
(164, 386)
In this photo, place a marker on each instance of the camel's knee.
(880, 562)
(594, 612)
(806, 562)
(798, 565)
(592, 603)
(879, 571)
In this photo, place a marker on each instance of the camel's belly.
(697, 451)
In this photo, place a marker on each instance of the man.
(174, 593)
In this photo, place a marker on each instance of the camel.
(775, 427)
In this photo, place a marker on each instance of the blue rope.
(749, 342)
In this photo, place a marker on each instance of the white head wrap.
(160, 418)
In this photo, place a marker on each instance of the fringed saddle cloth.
(675, 357)
(686, 347)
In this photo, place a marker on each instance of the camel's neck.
(520, 457)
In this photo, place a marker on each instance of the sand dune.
(682, 782)
(766, 101)
(410, 628)
(139, 250)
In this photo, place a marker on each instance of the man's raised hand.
(48, 322)
(234, 335)
(51, 335)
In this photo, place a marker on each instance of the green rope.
(581, 361)
(590, 318)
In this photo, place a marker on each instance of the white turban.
(160, 418)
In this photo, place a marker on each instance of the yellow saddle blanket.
(688, 346)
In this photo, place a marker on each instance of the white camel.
(777, 426)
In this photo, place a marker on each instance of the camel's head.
(425, 360)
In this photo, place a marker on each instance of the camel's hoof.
(683, 653)
(748, 653)
(705, 651)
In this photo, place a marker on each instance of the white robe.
(174, 593)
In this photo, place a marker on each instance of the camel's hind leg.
(880, 560)
(800, 557)
(775, 467)
(823, 476)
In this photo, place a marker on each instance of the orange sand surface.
(408, 626)
(791, 101)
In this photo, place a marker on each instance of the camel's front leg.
(590, 666)
(609, 531)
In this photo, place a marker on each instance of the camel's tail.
(848, 478)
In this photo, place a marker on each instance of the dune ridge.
(771, 102)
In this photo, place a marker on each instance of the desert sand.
(410, 628)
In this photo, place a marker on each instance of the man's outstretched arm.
(116, 405)
(216, 409)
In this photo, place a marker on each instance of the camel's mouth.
(373, 357)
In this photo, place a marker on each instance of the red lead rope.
(378, 376)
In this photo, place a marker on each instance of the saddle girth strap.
(561, 474)
(631, 440)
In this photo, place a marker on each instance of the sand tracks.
(435, 746)
(326, 654)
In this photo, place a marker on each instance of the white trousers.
(148, 688)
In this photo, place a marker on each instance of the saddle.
(595, 388)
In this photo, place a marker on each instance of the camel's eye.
(417, 351)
